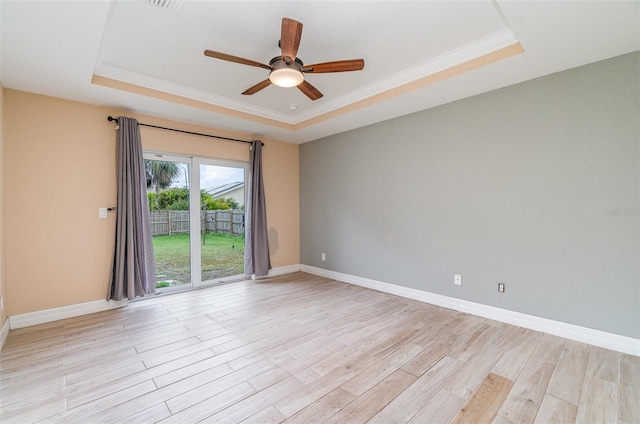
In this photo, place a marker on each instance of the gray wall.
(535, 185)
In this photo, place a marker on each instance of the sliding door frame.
(194, 163)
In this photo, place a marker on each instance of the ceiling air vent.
(171, 6)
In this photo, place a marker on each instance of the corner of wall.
(3, 306)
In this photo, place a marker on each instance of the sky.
(212, 176)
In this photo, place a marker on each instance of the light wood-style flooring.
(304, 349)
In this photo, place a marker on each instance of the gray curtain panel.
(256, 246)
(133, 272)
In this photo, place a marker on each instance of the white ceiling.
(56, 48)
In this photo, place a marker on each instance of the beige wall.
(59, 159)
(3, 312)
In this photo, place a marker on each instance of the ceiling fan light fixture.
(285, 74)
(286, 77)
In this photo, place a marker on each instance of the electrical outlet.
(501, 287)
(324, 256)
(457, 279)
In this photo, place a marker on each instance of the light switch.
(102, 213)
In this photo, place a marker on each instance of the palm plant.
(160, 174)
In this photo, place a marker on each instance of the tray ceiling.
(418, 54)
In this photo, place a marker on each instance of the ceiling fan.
(288, 70)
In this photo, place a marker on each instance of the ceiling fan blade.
(236, 59)
(309, 90)
(338, 66)
(259, 86)
(290, 39)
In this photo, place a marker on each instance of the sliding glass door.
(222, 187)
(196, 207)
(169, 191)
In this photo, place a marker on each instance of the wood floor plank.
(381, 369)
(440, 409)
(549, 349)
(13, 367)
(430, 356)
(216, 385)
(603, 364)
(15, 393)
(410, 401)
(302, 348)
(629, 389)
(103, 383)
(373, 400)
(483, 405)
(399, 338)
(184, 348)
(322, 386)
(515, 358)
(26, 373)
(556, 411)
(141, 402)
(507, 335)
(149, 415)
(111, 372)
(82, 412)
(211, 405)
(212, 361)
(599, 403)
(104, 387)
(295, 366)
(568, 378)
(323, 408)
(34, 413)
(344, 357)
(269, 415)
(256, 402)
(473, 373)
(474, 343)
(523, 402)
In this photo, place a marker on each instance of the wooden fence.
(177, 222)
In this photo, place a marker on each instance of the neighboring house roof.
(224, 189)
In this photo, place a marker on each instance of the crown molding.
(439, 71)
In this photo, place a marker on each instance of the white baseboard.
(55, 314)
(603, 339)
(281, 270)
(4, 332)
(289, 269)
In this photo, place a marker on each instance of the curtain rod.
(111, 118)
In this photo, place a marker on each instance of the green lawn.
(222, 256)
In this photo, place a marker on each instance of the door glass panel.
(168, 193)
(222, 199)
